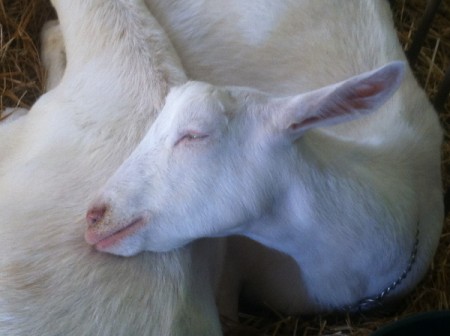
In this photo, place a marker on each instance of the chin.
(127, 247)
(120, 251)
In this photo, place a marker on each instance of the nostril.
(95, 214)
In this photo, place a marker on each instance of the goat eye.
(195, 136)
(192, 136)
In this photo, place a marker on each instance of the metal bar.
(443, 92)
(413, 52)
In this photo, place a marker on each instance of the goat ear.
(341, 102)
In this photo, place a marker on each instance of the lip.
(102, 242)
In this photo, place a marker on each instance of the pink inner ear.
(359, 97)
(345, 101)
(305, 123)
(356, 98)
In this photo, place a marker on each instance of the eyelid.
(191, 136)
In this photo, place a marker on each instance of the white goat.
(120, 66)
(358, 205)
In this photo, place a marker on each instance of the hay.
(21, 75)
(21, 82)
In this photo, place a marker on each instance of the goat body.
(120, 66)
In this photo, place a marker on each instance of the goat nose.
(95, 214)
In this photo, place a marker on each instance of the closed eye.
(191, 137)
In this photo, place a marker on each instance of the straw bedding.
(21, 82)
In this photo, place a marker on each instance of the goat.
(358, 206)
(120, 66)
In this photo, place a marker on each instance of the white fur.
(343, 201)
(120, 66)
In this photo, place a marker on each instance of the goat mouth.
(105, 242)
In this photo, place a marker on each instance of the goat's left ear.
(345, 101)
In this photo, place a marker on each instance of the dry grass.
(21, 75)
(21, 82)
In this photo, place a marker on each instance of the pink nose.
(95, 214)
